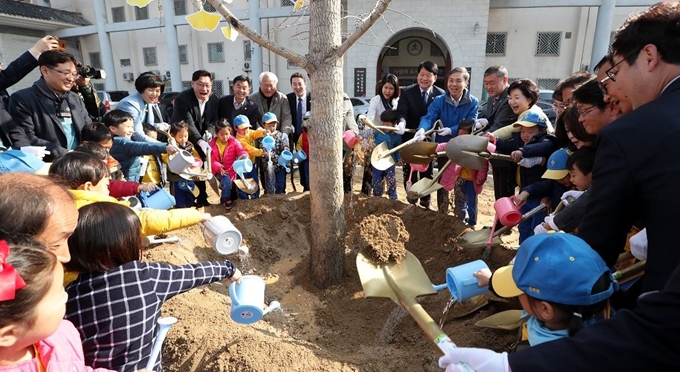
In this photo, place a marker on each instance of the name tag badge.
(64, 114)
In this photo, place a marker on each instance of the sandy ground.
(324, 330)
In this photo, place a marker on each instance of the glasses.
(611, 74)
(603, 86)
(200, 85)
(66, 74)
(586, 111)
(560, 106)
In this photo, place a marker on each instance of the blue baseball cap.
(531, 119)
(555, 267)
(19, 161)
(241, 121)
(557, 165)
(269, 117)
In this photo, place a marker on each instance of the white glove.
(530, 162)
(539, 229)
(37, 151)
(463, 359)
(205, 146)
(163, 126)
(481, 123)
(420, 135)
(444, 132)
(571, 193)
(207, 136)
(401, 127)
(550, 220)
(638, 245)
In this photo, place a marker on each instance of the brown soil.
(336, 329)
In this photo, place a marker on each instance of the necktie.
(298, 118)
(149, 109)
(425, 98)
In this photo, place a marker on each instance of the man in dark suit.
(239, 104)
(198, 107)
(499, 114)
(48, 112)
(9, 76)
(300, 102)
(413, 104)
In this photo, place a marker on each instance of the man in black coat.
(499, 114)
(413, 104)
(300, 102)
(198, 107)
(239, 103)
(48, 112)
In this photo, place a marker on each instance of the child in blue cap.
(561, 283)
(275, 180)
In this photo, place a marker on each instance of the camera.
(90, 72)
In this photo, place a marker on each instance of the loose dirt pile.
(321, 330)
(383, 238)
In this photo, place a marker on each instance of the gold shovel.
(381, 157)
(470, 151)
(427, 186)
(402, 282)
(420, 153)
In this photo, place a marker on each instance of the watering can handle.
(232, 294)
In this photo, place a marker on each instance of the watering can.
(222, 235)
(164, 325)
(268, 143)
(181, 161)
(507, 212)
(159, 199)
(415, 168)
(242, 166)
(247, 300)
(350, 138)
(460, 282)
(284, 158)
(299, 157)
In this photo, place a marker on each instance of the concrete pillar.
(105, 45)
(172, 45)
(603, 27)
(256, 57)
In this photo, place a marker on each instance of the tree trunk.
(327, 253)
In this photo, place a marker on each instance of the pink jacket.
(231, 153)
(450, 175)
(60, 352)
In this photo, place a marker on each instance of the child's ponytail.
(582, 314)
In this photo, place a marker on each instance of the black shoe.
(202, 203)
(228, 205)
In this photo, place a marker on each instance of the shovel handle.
(411, 141)
(392, 129)
(525, 217)
(364, 119)
(441, 171)
(495, 156)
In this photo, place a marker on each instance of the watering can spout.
(274, 305)
(440, 287)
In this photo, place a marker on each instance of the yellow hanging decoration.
(139, 3)
(298, 5)
(204, 21)
(229, 33)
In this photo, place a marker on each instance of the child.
(276, 182)
(389, 118)
(528, 149)
(580, 165)
(100, 134)
(561, 282)
(116, 300)
(247, 139)
(153, 169)
(87, 179)
(469, 184)
(182, 189)
(226, 149)
(128, 152)
(303, 144)
(35, 336)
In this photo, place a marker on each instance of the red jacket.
(226, 161)
(120, 189)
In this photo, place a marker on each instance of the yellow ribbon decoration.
(139, 3)
(203, 21)
(298, 5)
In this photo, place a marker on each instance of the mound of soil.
(322, 330)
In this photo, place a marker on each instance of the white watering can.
(247, 300)
(180, 162)
(222, 235)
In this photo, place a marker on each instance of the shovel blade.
(477, 239)
(506, 320)
(422, 188)
(464, 150)
(244, 186)
(419, 153)
(409, 275)
(381, 159)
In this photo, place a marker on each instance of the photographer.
(84, 87)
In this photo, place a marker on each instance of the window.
(544, 83)
(218, 87)
(435, 51)
(392, 50)
(215, 52)
(125, 62)
(292, 64)
(118, 14)
(287, 3)
(495, 43)
(183, 54)
(150, 56)
(95, 60)
(247, 50)
(186, 84)
(208, 7)
(180, 7)
(141, 13)
(612, 36)
(548, 43)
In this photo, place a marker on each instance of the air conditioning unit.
(128, 76)
(167, 75)
(246, 66)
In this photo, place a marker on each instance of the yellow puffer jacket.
(248, 142)
(154, 221)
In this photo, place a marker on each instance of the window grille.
(287, 3)
(435, 51)
(215, 52)
(218, 88)
(612, 35)
(292, 65)
(495, 43)
(208, 7)
(183, 54)
(544, 83)
(98, 86)
(96, 60)
(150, 56)
(186, 85)
(118, 14)
(548, 43)
(141, 13)
(247, 51)
(180, 7)
(125, 62)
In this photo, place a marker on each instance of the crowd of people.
(608, 159)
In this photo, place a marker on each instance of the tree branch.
(372, 17)
(298, 59)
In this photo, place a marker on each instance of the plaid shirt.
(116, 312)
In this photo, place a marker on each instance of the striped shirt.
(116, 312)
